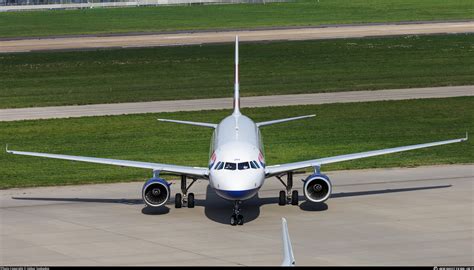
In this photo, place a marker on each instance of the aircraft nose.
(237, 194)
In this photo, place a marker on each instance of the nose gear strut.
(236, 218)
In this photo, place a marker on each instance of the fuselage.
(236, 165)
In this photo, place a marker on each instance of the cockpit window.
(244, 166)
(256, 164)
(230, 166)
(253, 165)
(221, 166)
(217, 165)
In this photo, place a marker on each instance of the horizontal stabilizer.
(261, 124)
(201, 124)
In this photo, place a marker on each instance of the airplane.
(237, 167)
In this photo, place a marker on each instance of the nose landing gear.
(236, 218)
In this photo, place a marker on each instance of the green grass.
(337, 129)
(172, 18)
(164, 73)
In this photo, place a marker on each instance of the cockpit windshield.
(244, 166)
(234, 166)
(230, 166)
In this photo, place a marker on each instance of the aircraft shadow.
(383, 191)
(162, 210)
(219, 210)
(92, 200)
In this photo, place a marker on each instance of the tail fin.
(289, 258)
(236, 84)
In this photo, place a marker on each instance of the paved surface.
(329, 32)
(226, 103)
(410, 216)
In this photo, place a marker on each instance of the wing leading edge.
(277, 169)
(177, 169)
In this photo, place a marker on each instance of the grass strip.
(190, 72)
(206, 17)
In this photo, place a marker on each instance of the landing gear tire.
(240, 220)
(178, 200)
(282, 198)
(233, 220)
(294, 197)
(191, 200)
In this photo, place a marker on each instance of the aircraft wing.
(177, 169)
(277, 169)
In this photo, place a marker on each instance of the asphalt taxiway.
(398, 216)
(203, 37)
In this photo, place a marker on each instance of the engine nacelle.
(317, 187)
(156, 192)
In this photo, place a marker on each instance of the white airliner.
(237, 167)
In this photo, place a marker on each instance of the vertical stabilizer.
(236, 84)
(288, 257)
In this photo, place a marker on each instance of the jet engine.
(317, 187)
(156, 192)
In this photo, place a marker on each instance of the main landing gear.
(185, 199)
(236, 218)
(288, 196)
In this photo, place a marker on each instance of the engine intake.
(156, 192)
(317, 187)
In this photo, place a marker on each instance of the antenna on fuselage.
(236, 84)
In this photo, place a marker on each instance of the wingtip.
(467, 136)
(6, 148)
